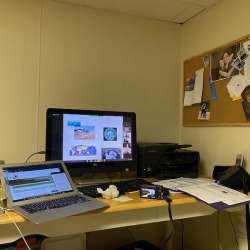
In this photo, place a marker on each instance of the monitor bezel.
(92, 167)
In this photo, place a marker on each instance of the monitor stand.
(91, 179)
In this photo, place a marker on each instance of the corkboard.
(224, 112)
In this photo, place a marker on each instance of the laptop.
(44, 191)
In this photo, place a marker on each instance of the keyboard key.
(51, 204)
(122, 186)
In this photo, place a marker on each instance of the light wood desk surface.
(116, 206)
(120, 214)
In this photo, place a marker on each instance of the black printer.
(167, 161)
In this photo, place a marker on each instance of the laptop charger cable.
(39, 152)
(4, 210)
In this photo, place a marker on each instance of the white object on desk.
(175, 184)
(206, 190)
(217, 196)
(122, 199)
(109, 193)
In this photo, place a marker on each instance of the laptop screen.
(36, 181)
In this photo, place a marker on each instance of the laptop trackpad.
(49, 215)
(71, 210)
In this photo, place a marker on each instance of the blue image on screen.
(110, 134)
(111, 154)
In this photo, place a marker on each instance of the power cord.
(182, 235)
(218, 232)
(171, 218)
(235, 235)
(39, 152)
(6, 211)
(131, 234)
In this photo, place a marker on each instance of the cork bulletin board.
(224, 111)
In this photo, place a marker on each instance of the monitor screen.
(91, 141)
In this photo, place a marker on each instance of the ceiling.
(172, 11)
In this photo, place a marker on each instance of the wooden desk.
(120, 214)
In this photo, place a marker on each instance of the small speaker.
(219, 169)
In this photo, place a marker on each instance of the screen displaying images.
(84, 133)
(96, 138)
(148, 193)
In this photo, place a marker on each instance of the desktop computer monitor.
(91, 141)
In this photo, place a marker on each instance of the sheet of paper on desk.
(217, 196)
(175, 184)
(122, 199)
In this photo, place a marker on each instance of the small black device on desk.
(153, 192)
(122, 187)
(218, 170)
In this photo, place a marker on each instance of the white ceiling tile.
(177, 11)
(188, 14)
(187, 1)
(208, 3)
(158, 9)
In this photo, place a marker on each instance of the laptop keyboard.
(52, 204)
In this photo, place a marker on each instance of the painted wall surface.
(66, 56)
(19, 78)
(217, 145)
(214, 28)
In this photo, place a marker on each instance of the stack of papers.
(209, 192)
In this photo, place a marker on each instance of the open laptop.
(44, 191)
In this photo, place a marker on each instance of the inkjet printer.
(167, 161)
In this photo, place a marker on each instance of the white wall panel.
(61, 55)
(19, 78)
(214, 28)
(93, 59)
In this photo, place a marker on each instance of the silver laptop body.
(33, 187)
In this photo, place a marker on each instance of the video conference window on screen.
(93, 138)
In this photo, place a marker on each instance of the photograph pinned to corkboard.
(221, 63)
(204, 113)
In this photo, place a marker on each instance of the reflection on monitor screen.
(91, 141)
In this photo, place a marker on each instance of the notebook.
(44, 191)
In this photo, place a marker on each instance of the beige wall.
(19, 78)
(220, 25)
(217, 145)
(65, 56)
(61, 55)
